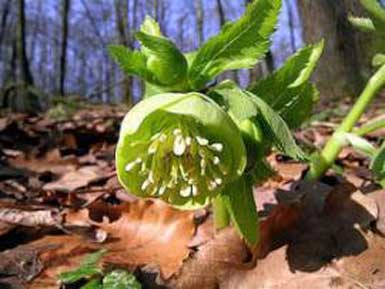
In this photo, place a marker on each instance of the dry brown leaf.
(379, 197)
(274, 272)
(77, 179)
(65, 254)
(52, 161)
(212, 262)
(142, 233)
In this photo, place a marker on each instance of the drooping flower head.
(182, 148)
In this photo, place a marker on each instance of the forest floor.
(60, 200)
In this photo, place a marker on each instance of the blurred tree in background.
(57, 48)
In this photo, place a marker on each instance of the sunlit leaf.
(239, 45)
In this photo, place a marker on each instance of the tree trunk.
(121, 12)
(3, 22)
(290, 17)
(221, 13)
(199, 19)
(64, 38)
(23, 100)
(338, 73)
(24, 71)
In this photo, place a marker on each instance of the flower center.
(179, 161)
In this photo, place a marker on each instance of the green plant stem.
(221, 214)
(333, 147)
(370, 127)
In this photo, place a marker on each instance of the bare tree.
(122, 25)
(64, 40)
(3, 21)
(199, 19)
(290, 17)
(340, 61)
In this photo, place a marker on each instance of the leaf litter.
(60, 201)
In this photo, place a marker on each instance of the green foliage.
(87, 269)
(164, 59)
(201, 143)
(120, 279)
(239, 44)
(358, 143)
(245, 105)
(288, 90)
(131, 62)
(239, 201)
(190, 149)
(374, 24)
(93, 275)
(362, 23)
(376, 12)
(378, 165)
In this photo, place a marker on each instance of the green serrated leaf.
(131, 62)
(362, 23)
(275, 128)
(93, 259)
(78, 274)
(378, 165)
(150, 26)
(165, 60)
(288, 90)
(87, 269)
(239, 45)
(300, 107)
(120, 279)
(239, 201)
(237, 103)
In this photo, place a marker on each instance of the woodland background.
(51, 49)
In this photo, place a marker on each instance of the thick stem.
(333, 147)
(221, 214)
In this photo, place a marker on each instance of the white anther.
(216, 160)
(202, 141)
(188, 140)
(155, 136)
(217, 147)
(152, 148)
(194, 190)
(179, 145)
(218, 181)
(161, 191)
(143, 167)
(132, 164)
(151, 177)
(162, 137)
(212, 185)
(186, 192)
(177, 131)
(203, 167)
(145, 185)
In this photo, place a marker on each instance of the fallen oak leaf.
(77, 179)
(140, 233)
(65, 254)
(52, 161)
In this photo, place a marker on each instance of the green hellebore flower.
(182, 148)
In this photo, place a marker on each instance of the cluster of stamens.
(179, 161)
